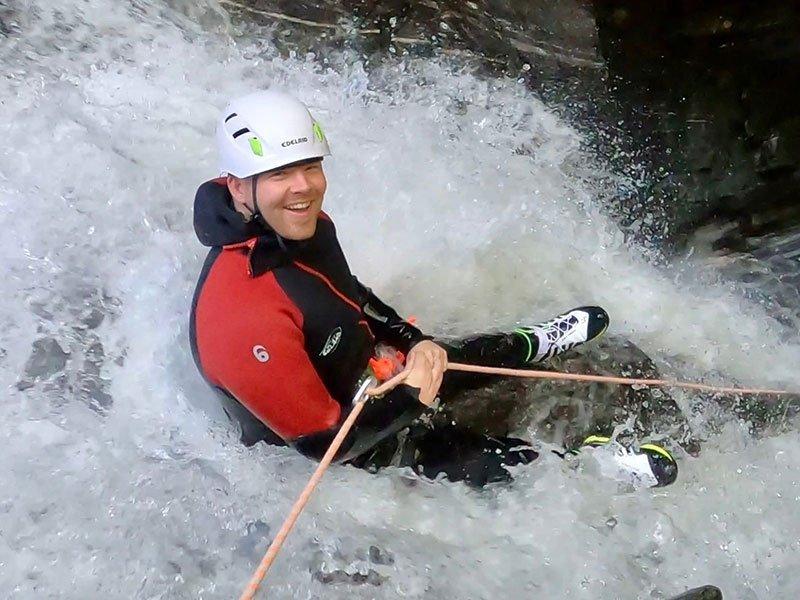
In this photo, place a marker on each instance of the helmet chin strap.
(256, 213)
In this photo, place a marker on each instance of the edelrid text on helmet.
(266, 130)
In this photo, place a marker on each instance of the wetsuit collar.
(217, 223)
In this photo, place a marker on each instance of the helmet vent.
(230, 116)
(242, 131)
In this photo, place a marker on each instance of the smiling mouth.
(298, 206)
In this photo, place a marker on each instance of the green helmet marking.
(318, 132)
(255, 146)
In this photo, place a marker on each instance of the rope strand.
(533, 374)
(266, 562)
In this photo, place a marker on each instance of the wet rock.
(41, 311)
(709, 91)
(92, 317)
(556, 37)
(46, 359)
(69, 361)
(371, 577)
(8, 23)
(92, 387)
(706, 592)
(362, 567)
(566, 412)
(380, 557)
(779, 149)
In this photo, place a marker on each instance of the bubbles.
(460, 199)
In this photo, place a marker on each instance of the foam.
(120, 478)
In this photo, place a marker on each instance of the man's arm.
(387, 325)
(262, 362)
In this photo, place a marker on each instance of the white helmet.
(266, 130)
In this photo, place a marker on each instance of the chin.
(301, 234)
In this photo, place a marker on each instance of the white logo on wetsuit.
(332, 342)
(370, 312)
(260, 353)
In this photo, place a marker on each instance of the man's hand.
(425, 366)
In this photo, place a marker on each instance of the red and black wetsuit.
(280, 327)
(284, 331)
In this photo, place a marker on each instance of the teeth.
(299, 206)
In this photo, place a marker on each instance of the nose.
(299, 182)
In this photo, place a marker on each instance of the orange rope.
(266, 562)
(578, 377)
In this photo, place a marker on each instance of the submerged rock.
(361, 568)
(47, 358)
(68, 361)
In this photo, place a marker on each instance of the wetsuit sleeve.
(387, 325)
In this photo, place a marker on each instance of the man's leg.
(463, 455)
(443, 448)
(523, 347)
(450, 451)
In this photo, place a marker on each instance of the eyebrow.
(299, 163)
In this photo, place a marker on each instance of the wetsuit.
(284, 332)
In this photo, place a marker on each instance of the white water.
(108, 113)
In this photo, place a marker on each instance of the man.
(284, 332)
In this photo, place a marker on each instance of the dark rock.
(566, 412)
(780, 148)
(714, 85)
(371, 577)
(706, 592)
(380, 557)
(93, 387)
(71, 316)
(47, 358)
(343, 564)
(559, 38)
(8, 24)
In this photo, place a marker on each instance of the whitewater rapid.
(458, 198)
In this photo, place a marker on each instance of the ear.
(237, 189)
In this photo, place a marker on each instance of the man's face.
(290, 198)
